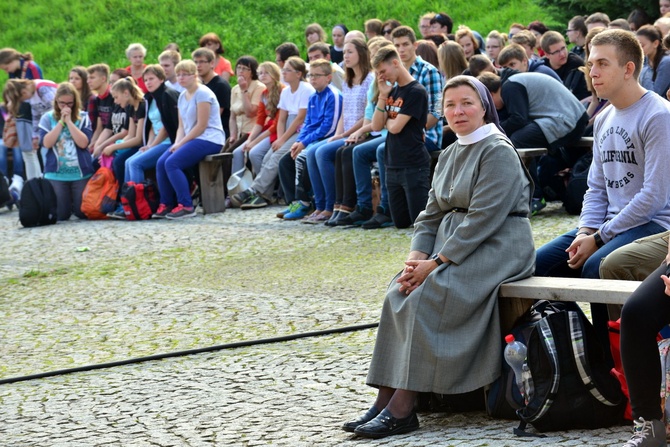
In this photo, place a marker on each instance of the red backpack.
(99, 196)
(140, 200)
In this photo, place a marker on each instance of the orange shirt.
(223, 66)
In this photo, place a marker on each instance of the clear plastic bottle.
(515, 356)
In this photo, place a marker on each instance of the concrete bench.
(214, 170)
(516, 297)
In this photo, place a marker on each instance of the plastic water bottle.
(515, 356)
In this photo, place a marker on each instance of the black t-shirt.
(406, 149)
(118, 120)
(221, 90)
(336, 56)
(102, 106)
(138, 114)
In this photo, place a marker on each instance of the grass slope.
(64, 33)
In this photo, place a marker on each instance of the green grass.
(64, 33)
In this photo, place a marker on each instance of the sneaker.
(336, 215)
(318, 218)
(356, 217)
(292, 207)
(255, 201)
(117, 214)
(300, 211)
(161, 212)
(647, 434)
(181, 212)
(238, 199)
(379, 220)
(537, 205)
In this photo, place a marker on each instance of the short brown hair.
(491, 81)
(384, 54)
(321, 47)
(524, 37)
(512, 51)
(597, 17)
(551, 38)
(323, 64)
(102, 69)
(626, 45)
(204, 52)
(404, 31)
(173, 55)
(156, 70)
(373, 26)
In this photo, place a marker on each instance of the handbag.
(9, 134)
(241, 180)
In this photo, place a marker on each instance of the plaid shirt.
(430, 78)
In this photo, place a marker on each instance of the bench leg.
(212, 187)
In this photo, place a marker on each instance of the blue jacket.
(323, 112)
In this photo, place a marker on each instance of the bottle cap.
(509, 338)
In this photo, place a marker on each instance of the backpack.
(39, 205)
(99, 196)
(139, 200)
(4, 190)
(577, 185)
(568, 382)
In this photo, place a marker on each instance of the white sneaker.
(647, 434)
(16, 187)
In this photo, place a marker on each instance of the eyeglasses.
(242, 68)
(316, 75)
(559, 51)
(388, 31)
(65, 104)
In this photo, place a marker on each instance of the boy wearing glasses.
(204, 61)
(564, 63)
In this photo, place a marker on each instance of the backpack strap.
(579, 351)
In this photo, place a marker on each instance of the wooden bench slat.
(608, 291)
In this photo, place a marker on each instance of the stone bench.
(516, 297)
(214, 171)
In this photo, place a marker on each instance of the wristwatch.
(437, 260)
(599, 240)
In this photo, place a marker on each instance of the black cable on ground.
(239, 344)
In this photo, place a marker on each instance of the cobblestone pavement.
(81, 293)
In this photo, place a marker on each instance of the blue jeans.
(141, 161)
(321, 168)
(172, 182)
(17, 164)
(552, 260)
(119, 163)
(364, 155)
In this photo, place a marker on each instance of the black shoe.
(360, 420)
(356, 217)
(331, 222)
(387, 425)
(379, 220)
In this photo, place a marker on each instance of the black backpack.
(38, 203)
(4, 190)
(577, 185)
(570, 384)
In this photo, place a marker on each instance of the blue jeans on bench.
(552, 260)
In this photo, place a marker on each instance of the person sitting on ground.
(495, 42)
(337, 48)
(565, 64)
(466, 39)
(441, 23)
(292, 106)
(321, 157)
(528, 41)
(373, 28)
(39, 94)
(403, 110)
(100, 109)
(200, 134)
(128, 96)
(160, 127)
(615, 24)
(388, 27)
(479, 64)
(136, 54)
(476, 213)
(78, 77)
(451, 58)
(628, 195)
(533, 121)
(244, 100)
(65, 132)
(597, 19)
(324, 112)
(655, 75)
(576, 33)
(222, 66)
(169, 59)
(204, 60)
(264, 132)
(514, 56)
(321, 50)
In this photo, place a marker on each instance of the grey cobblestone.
(148, 287)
